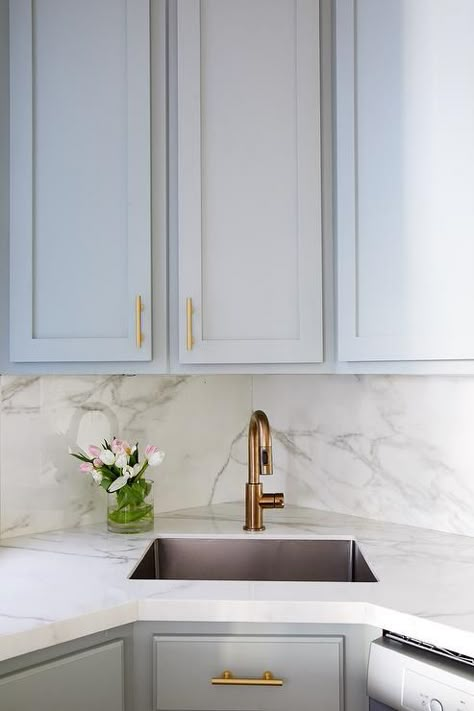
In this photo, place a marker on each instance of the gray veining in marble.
(424, 589)
(198, 421)
(394, 448)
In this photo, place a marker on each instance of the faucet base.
(253, 511)
(255, 502)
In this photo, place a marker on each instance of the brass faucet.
(260, 463)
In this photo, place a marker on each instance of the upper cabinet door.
(80, 180)
(405, 178)
(249, 192)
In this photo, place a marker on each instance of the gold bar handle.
(227, 679)
(189, 324)
(138, 321)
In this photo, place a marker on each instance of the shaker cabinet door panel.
(405, 176)
(249, 193)
(88, 681)
(310, 669)
(80, 180)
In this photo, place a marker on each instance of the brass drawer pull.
(228, 680)
(138, 321)
(189, 324)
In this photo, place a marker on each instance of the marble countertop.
(62, 585)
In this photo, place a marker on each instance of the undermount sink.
(249, 559)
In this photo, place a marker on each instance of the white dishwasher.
(408, 675)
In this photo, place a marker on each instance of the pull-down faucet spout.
(260, 463)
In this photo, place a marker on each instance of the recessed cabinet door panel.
(405, 176)
(249, 180)
(80, 180)
(89, 681)
(311, 669)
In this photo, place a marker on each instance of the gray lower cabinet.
(170, 666)
(186, 669)
(91, 680)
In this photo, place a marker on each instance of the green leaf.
(131, 495)
(136, 494)
(142, 471)
(107, 474)
(108, 471)
(81, 457)
(122, 497)
(134, 457)
(119, 516)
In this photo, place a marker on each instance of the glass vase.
(130, 509)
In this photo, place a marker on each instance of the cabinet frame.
(307, 348)
(24, 346)
(122, 636)
(423, 348)
(235, 646)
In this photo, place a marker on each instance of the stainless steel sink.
(250, 559)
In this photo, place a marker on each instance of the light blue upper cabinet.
(249, 181)
(80, 180)
(405, 178)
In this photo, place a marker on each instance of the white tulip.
(137, 469)
(117, 484)
(97, 476)
(107, 457)
(131, 472)
(121, 461)
(156, 458)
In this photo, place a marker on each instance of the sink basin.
(250, 559)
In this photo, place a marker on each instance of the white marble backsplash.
(198, 421)
(393, 448)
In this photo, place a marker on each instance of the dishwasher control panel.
(423, 693)
(405, 678)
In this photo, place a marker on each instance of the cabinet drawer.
(311, 669)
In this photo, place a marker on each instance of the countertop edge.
(242, 611)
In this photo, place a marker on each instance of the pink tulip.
(150, 449)
(86, 467)
(94, 451)
(154, 455)
(120, 446)
(116, 446)
(98, 463)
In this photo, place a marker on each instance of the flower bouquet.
(116, 467)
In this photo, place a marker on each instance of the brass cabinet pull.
(138, 321)
(267, 679)
(189, 324)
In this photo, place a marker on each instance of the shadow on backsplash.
(395, 448)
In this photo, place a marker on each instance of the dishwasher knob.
(436, 705)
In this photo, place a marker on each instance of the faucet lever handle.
(272, 501)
